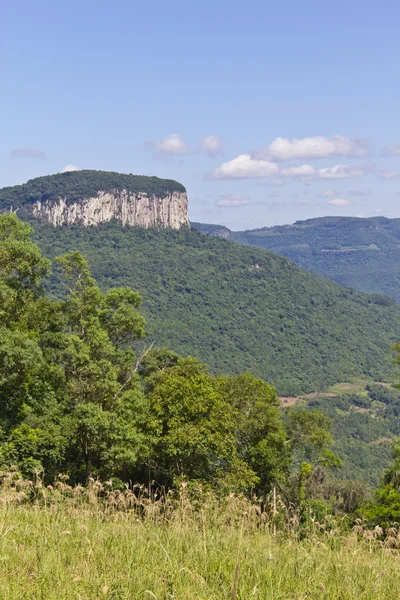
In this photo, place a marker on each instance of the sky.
(267, 112)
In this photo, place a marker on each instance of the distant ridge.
(362, 253)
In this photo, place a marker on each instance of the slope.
(355, 252)
(239, 308)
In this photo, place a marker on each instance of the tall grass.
(64, 542)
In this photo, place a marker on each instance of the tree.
(104, 405)
(310, 439)
(194, 427)
(259, 429)
(384, 509)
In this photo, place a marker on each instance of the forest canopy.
(78, 185)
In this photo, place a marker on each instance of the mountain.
(239, 308)
(355, 252)
(93, 197)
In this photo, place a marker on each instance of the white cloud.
(339, 202)
(387, 174)
(342, 172)
(172, 145)
(391, 150)
(68, 168)
(230, 200)
(28, 153)
(276, 182)
(306, 172)
(315, 147)
(299, 172)
(211, 144)
(250, 166)
(245, 166)
(379, 211)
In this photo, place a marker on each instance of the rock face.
(141, 209)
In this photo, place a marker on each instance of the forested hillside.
(239, 308)
(355, 252)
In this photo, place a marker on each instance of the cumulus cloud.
(281, 149)
(34, 153)
(245, 166)
(211, 144)
(342, 172)
(68, 168)
(339, 202)
(248, 166)
(305, 172)
(172, 145)
(391, 150)
(299, 172)
(229, 200)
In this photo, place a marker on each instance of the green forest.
(114, 448)
(77, 399)
(238, 308)
(361, 253)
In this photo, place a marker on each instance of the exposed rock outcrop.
(130, 208)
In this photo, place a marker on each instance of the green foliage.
(357, 252)
(363, 427)
(75, 397)
(259, 429)
(204, 296)
(193, 425)
(311, 442)
(385, 507)
(77, 185)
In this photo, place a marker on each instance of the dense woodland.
(77, 185)
(238, 308)
(356, 252)
(76, 398)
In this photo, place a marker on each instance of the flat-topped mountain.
(363, 253)
(93, 197)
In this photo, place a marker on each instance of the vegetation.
(356, 252)
(101, 543)
(234, 498)
(77, 185)
(238, 308)
(75, 398)
(364, 426)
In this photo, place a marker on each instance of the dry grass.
(91, 544)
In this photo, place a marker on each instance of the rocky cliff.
(132, 209)
(93, 197)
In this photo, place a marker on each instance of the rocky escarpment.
(130, 208)
(93, 197)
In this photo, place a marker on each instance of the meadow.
(61, 542)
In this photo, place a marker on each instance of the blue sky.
(266, 112)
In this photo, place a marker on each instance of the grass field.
(357, 386)
(81, 551)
